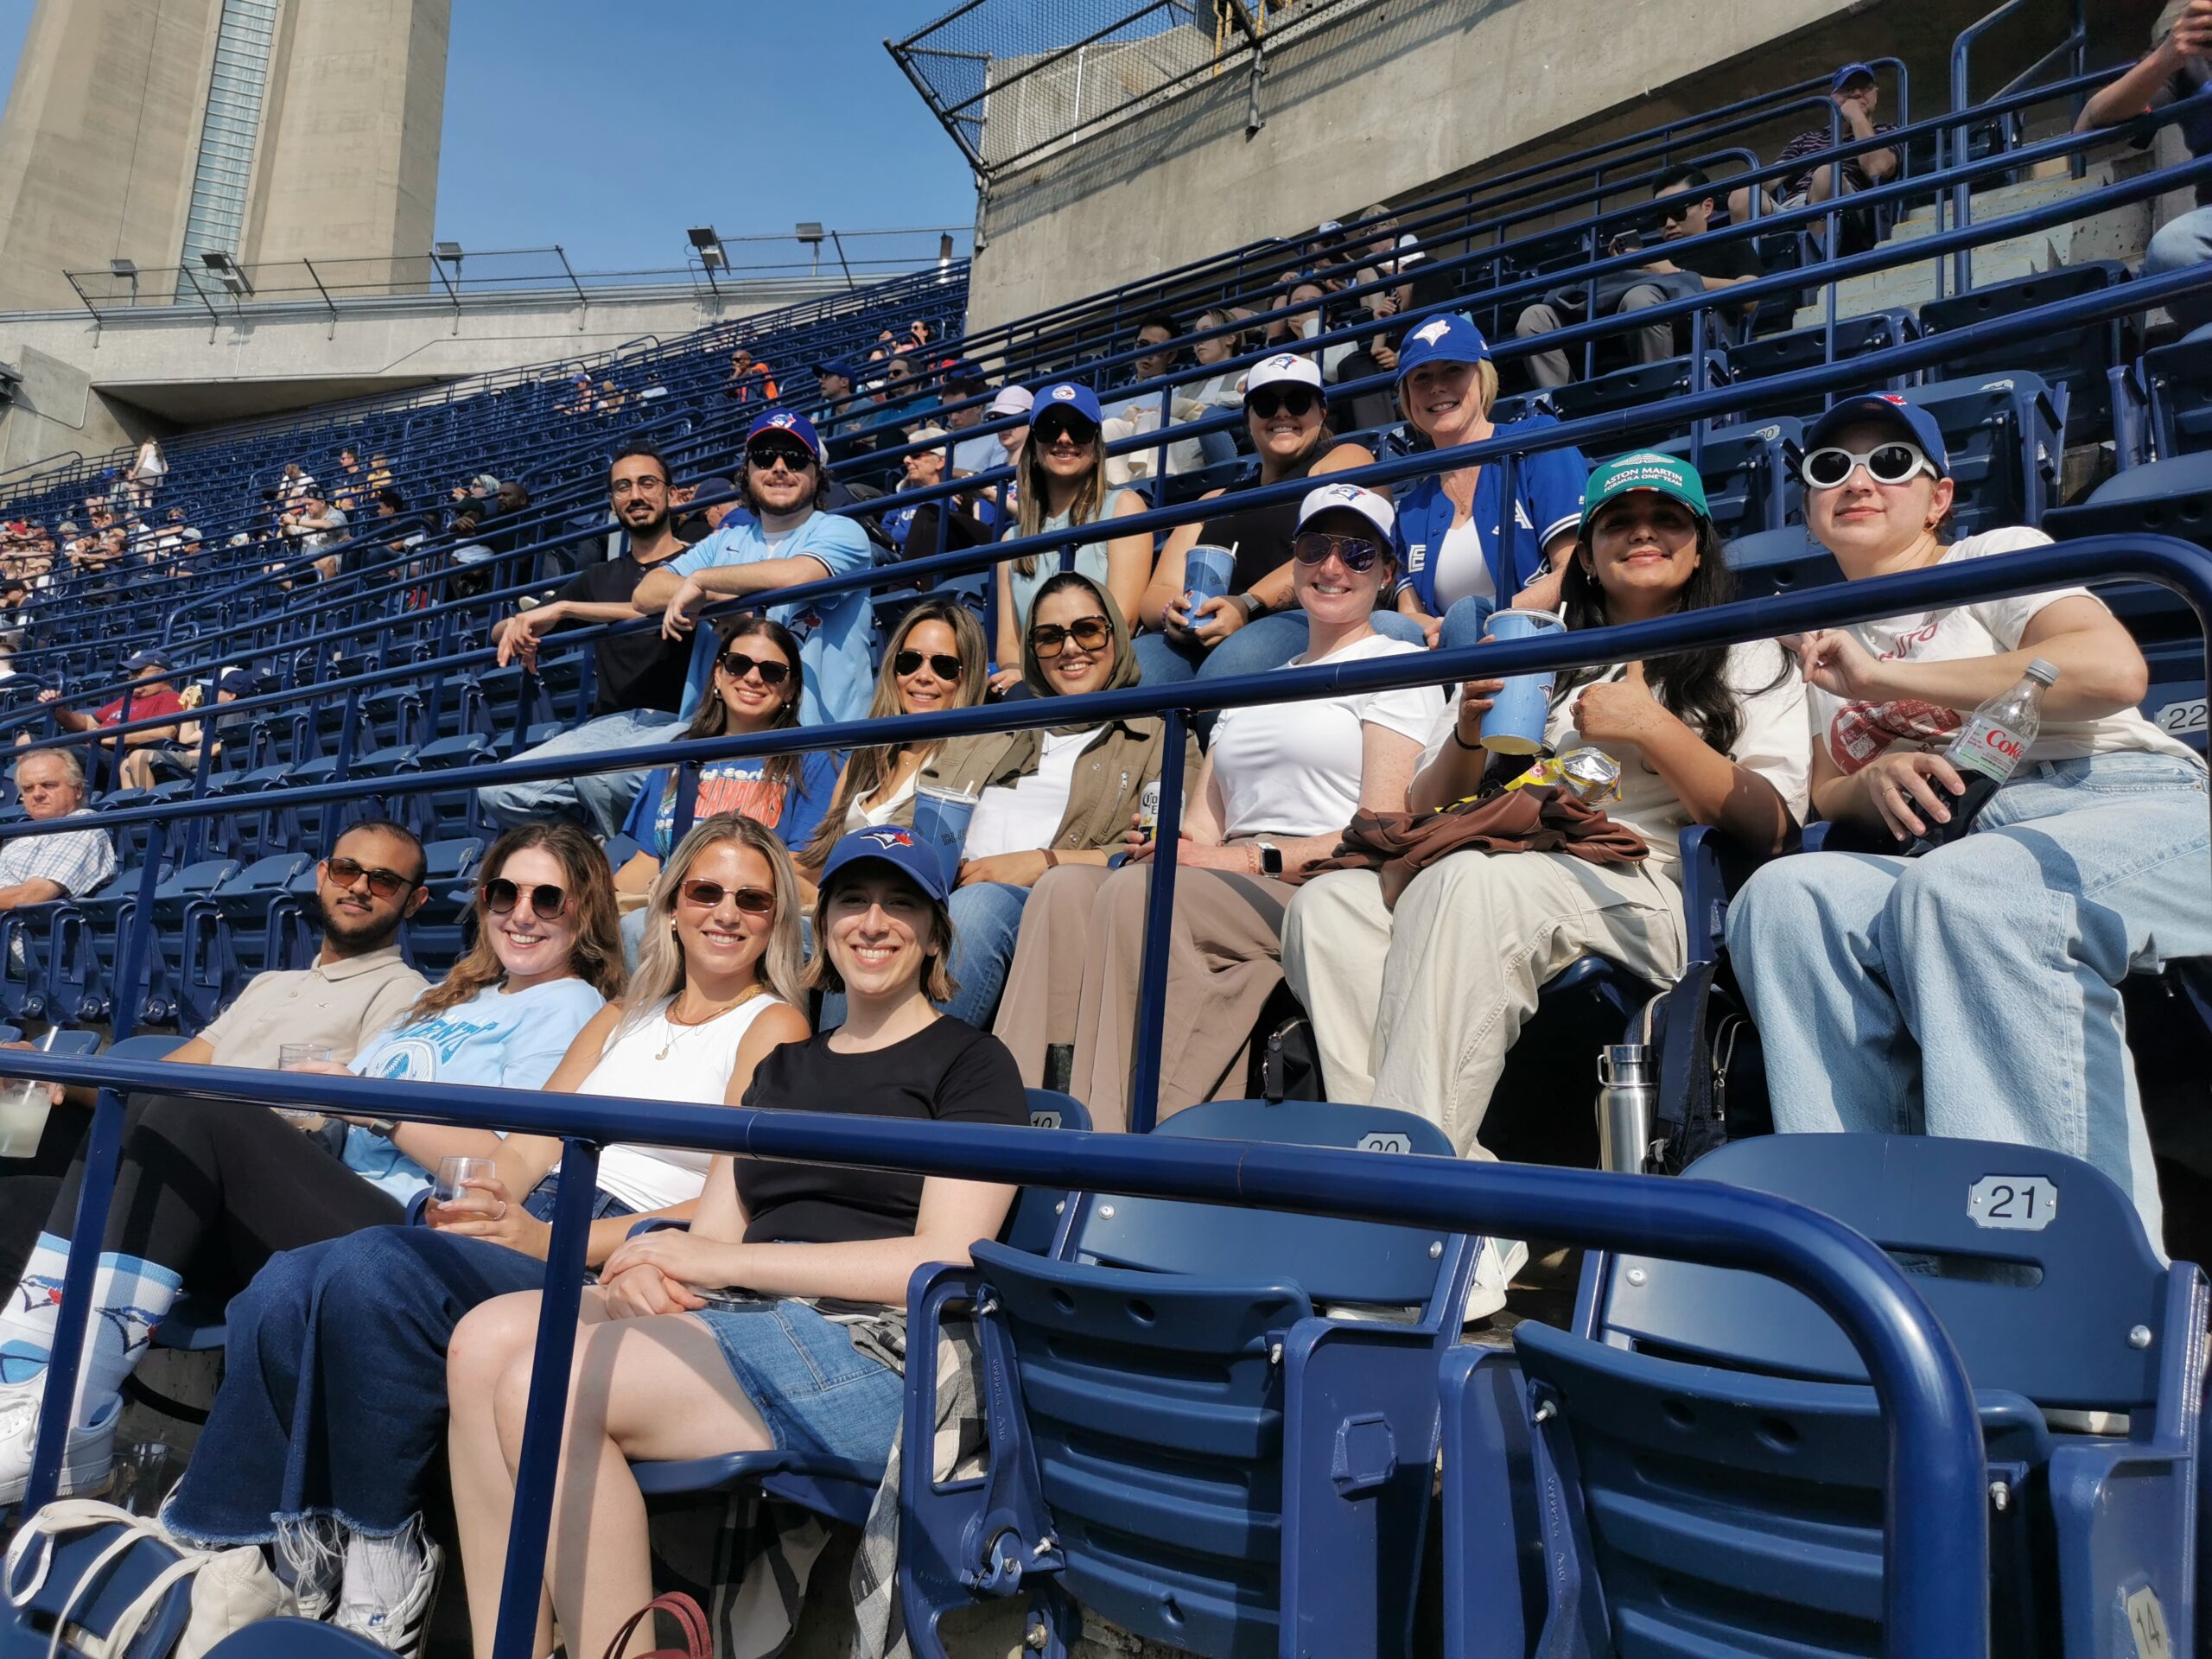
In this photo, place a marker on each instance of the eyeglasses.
(1089, 632)
(1357, 553)
(910, 662)
(737, 665)
(1299, 401)
(646, 485)
(708, 895)
(767, 457)
(1885, 463)
(1049, 433)
(501, 895)
(386, 884)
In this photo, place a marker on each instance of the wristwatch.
(1270, 858)
(1255, 606)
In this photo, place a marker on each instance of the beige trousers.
(1416, 1008)
(1076, 966)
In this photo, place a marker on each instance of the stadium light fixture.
(447, 250)
(121, 268)
(226, 272)
(944, 250)
(708, 242)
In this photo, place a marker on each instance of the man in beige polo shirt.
(357, 985)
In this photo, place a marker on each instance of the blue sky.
(610, 128)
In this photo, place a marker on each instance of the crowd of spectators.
(803, 943)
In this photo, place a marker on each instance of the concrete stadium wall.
(1396, 97)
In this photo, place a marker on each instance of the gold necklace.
(676, 1028)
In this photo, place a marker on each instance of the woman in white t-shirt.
(333, 1408)
(1279, 785)
(1972, 991)
(1417, 996)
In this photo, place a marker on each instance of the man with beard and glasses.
(357, 985)
(783, 538)
(638, 675)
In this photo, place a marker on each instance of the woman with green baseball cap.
(1416, 997)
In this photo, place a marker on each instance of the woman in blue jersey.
(1461, 553)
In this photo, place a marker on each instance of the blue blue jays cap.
(1886, 409)
(836, 365)
(1849, 73)
(1070, 394)
(791, 425)
(964, 374)
(1446, 338)
(893, 844)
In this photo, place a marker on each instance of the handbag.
(110, 1585)
(1711, 1076)
(697, 1642)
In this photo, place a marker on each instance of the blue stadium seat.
(2007, 434)
(1808, 348)
(2081, 359)
(1751, 482)
(2179, 378)
(1698, 1467)
(1210, 1449)
(292, 1638)
(1641, 386)
(1776, 561)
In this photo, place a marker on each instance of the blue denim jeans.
(601, 801)
(1253, 648)
(1974, 992)
(334, 1396)
(2182, 245)
(814, 1390)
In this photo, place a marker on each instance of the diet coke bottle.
(1986, 751)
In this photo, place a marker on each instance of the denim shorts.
(814, 1391)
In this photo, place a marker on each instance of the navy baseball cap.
(836, 365)
(147, 659)
(1070, 394)
(1909, 420)
(236, 681)
(1447, 338)
(1849, 73)
(964, 373)
(791, 424)
(892, 844)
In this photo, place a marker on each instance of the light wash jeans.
(2184, 244)
(986, 918)
(1974, 992)
(598, 801)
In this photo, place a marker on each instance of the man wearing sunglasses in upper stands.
(783, 538)
(357, 984)
(637, 676)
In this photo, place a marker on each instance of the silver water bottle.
(1625, 1095)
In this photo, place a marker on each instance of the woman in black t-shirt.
(662, 1371)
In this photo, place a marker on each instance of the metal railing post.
(1159, 928)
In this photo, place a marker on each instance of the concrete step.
(2006, 199)
(1907, 288)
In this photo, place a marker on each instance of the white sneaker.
(87, 1458)
(402, 1626)
(1496, 1259)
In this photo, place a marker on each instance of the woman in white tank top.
(322, 1332)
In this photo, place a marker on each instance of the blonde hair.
(661, 972)
(867, 769)
(595, 957)
(1486, 389)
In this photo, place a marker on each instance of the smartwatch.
(1270, 858)
(1255, 606)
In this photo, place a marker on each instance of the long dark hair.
(1691, 685)
(713, 718)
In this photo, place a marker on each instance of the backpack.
(1711, 1076)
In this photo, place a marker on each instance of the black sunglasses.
(501, 895)
(764, 456)
(1301, 401)
(708, 895)
(1079, 433)
(386, 884)
(910, 662)
(1357, 553)
(1089, 632)
(737, 665)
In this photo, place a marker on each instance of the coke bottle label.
(1986, 747)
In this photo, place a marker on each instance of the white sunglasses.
(1896, 462)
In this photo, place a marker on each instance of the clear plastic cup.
(941, 817)
(450, 1183)
(25, 1104)
(292, 1056)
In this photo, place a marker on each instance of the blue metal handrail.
(2075, 48)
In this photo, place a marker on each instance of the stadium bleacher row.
(1756, 1435)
